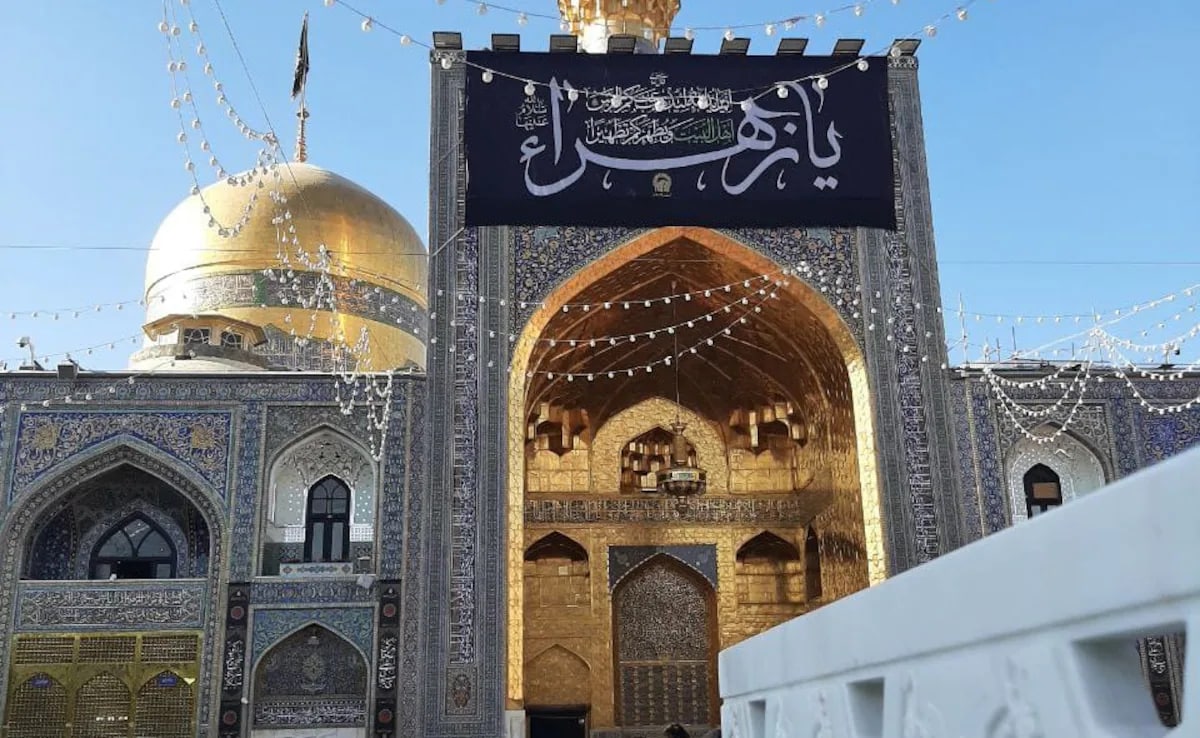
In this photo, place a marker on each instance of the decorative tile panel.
(273, 592)
(198, 439)
(355, 624)
(177, 604)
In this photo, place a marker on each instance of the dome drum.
(378, 270)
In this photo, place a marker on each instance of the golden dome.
(379, 266)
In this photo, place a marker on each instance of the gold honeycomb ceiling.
(780, 353)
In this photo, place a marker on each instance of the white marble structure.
(1029, 633)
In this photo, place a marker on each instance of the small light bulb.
(930, 31)
(660, 105)
(689, 34)
(487, 75)
(702, 102)
(781, 91)
(366, 24)
(482, 9)
(863, 65)
(822, 83)
(728, 34)
(858, 10)
(961, 14)
(447, 62)
(522, 20)
(572, 94)
(819, 20)
(405, 39)
(769, 29)
(530, 89)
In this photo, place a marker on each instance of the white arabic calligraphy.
(756, 132)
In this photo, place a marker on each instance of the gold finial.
(648, 19)
(299, 84)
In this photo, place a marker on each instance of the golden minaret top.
(593, 21)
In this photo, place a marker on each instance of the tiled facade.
(428, 624)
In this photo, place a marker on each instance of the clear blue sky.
(1062, 130)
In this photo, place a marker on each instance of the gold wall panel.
(646, 415)
(838, 460)
(587, 632)
(106, 677)
(557, 676)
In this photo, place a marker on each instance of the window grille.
(165, 704)
(38, 708)
(102, 708)
(173, 649)
(44, 650)
(105, 686)
(197, 335)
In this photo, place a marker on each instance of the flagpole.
(301, 82)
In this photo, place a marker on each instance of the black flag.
(301, 61)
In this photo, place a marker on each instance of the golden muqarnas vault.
(777, 410)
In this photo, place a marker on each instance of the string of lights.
(47, 359)
(1077, 317)
(181, 93)
(666, 360)
(781, 88)
(768, 27)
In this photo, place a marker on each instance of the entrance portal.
(564, 722)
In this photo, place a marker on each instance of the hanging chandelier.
(682, 479)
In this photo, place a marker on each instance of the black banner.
(649, 140)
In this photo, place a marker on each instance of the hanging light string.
(181, 94)
(1061, 428)
(74, 312)
(45, 359)
(781, 88)
(1125, 311)
(648, 367)
(293, 258)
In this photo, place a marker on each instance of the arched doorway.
(664, 623)
(774, 391)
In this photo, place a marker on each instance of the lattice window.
(38, 708)
(164, 707)
(174, 649)
(73, 680)
(107, 649)
(44, 650)
(102, 708)
(197, 335)
(231, 340)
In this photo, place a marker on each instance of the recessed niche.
(866, 707)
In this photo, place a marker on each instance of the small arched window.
(327, 521)
(1043, 490)
(134, 549)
